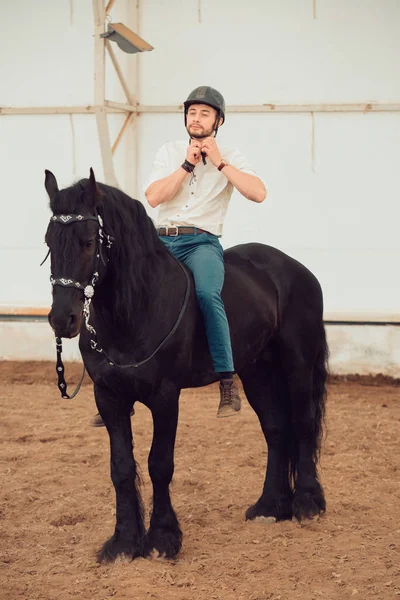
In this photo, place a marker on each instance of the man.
(192, 185)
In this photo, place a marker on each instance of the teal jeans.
(203, 255)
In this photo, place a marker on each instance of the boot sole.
(229, 414)
(98, 424)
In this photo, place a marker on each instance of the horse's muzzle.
(66, 325)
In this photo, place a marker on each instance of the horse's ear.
(50, 183)
(92, 193)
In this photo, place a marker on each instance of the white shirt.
(202, 201)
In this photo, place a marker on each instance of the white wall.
(362, 349)
(337, 212)
(47, 59)
(268, 51)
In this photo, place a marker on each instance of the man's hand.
(193, 154)
(209, 146)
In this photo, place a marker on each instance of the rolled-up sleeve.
(240, 162)
(160, 168)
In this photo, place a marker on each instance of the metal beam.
(117, 107)
(120, 106)
(284, 108)
(110, 5)
(128, 120)
(132, 135)
(49, 110)
(99, 94)
(118, 70)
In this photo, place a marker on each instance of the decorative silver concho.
(89, 291)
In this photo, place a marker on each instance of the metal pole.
(99, 94)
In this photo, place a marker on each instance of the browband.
(67, 219)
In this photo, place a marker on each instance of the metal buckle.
(172, 234)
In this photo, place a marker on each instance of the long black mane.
(134, 258)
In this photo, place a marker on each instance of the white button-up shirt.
(203, 198)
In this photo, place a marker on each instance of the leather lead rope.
(62, 384)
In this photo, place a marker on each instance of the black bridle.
(88, 289)
(88, 292)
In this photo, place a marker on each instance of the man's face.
(200, 120)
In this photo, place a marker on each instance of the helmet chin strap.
(216, 124)
(203, 154)
(215, 130)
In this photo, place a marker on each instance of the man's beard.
(198, 134)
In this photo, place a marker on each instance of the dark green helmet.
(206, 95)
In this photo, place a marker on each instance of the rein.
(88, 291)
(94, 344)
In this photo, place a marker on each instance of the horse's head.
(73, 240)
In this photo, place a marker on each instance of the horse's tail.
(318, 404)
(320, 377)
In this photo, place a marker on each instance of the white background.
(339, 214)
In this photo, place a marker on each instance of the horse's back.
(266, 258)
(248, 282)
(271, 267)
(270, 284)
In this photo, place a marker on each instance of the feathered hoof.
(270, 510)
(118, 546)
(308, 504)
(166, 543)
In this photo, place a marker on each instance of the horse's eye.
(89, 243)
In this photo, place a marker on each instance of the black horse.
(144, 307)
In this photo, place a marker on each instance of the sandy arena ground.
(57, 501)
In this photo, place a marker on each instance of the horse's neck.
(154, 307)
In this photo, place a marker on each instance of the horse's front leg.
(129, 529)
(164, 534)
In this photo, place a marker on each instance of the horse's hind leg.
(263, 389)
(305, 365)
(164, 534)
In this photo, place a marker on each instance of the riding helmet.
(206, 95)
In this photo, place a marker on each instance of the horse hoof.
(155, 555)
(270, 510)
(159, 543)
(116, 547)
(308, 504)
(266, 520)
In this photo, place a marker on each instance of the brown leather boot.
(229, 404)
(97, 421)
